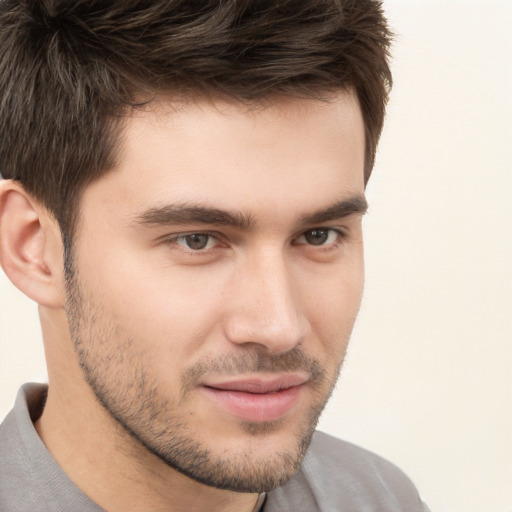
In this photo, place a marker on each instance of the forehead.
(235, 156)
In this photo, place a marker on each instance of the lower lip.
(256, 407)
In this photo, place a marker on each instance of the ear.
(31, 252)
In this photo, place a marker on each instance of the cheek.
(334, 306)
(168, 312)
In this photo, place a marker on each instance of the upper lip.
(259, 384)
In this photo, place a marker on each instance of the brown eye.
(317, 236)
(197, 241)
(320, 237)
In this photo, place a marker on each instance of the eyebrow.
(185, 213)
(355, 205)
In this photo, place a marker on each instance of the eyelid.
(340, 234)
(174, 238)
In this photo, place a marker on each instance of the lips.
(256, 399)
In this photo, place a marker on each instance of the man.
(183, 192)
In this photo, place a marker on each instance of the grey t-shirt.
(334, 477)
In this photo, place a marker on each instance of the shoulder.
(19, 452)
(337, 476)
(327, 453)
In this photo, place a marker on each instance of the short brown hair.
(70, 68)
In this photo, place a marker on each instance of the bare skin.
(218, 272)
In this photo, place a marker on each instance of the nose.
(266, 305)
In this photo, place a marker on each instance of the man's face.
(217, 274)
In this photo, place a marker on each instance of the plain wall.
(427, 378)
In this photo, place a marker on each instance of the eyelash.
(340, 236)
(177, 238)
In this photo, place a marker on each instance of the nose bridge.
(266, 306)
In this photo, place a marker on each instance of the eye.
(319, 236)
(196, 241)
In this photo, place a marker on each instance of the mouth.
(256, 399)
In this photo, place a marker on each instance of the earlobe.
(30, 251)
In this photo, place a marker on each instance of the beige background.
(427, 380)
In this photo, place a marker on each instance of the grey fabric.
(334, 477)
(30, 479)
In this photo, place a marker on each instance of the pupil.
(316, 236)
(197, 241)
